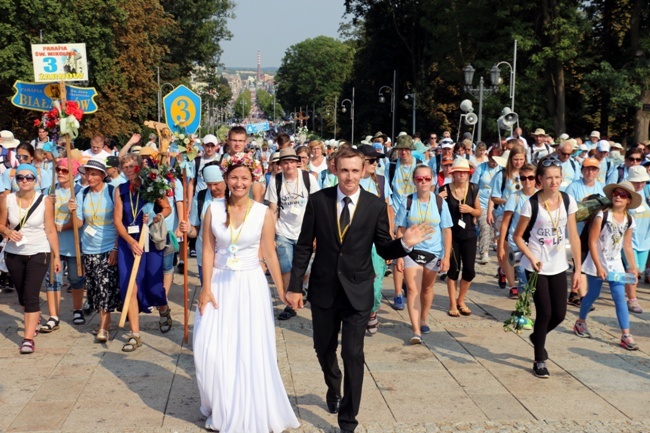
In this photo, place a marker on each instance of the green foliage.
(242, 105)
(265, 102)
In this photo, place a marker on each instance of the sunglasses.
(551, 161)
(423, 178)
(528, 178)
(371, 161)
(635, 159)
(566, 154)
(62, 170)
(26, 157)
(25, 177)
(621, 194)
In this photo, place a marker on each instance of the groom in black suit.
(346, 221)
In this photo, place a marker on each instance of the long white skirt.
(235, 357)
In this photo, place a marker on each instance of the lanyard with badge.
(90, 230)
(233, 261)
(295, 210)
(133, 228)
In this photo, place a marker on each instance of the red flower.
(37, 123)
(170, 193)
(170, 176)
(51, 124)
(53, 113)
(131, 188)
(136, 169)
(152, 176)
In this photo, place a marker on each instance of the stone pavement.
(468, 375)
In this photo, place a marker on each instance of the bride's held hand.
(206, 297)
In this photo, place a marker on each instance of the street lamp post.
(477, 92)
(160, 89)
(344, 109)
(495, 75)
(382, 99)
(412, 96)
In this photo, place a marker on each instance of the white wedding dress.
(234, 345)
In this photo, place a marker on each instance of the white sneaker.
(209, 425)
(484, 259)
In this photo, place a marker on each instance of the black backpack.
(409, 202)
(111, 192)
(534, 209)
(584, 236)
(278, 186)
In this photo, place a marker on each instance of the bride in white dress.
(234, 333)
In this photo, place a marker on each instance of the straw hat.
(627, 186)
(502, 160)
(460, 164)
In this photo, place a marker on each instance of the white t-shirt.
(33, 231)
(610, 244)
(293, 196)
(102, 154)
(548, 246)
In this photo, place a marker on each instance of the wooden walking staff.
(68, 153)
(144, 236)
(186, 307)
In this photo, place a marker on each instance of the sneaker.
(514, 293)
(581, 330)
(443, 276)
(528, 325)
(180, 267)
(540, 370)
(192, 253)
(484, 259)
(627, 342)
(425, 329)
(209, 425)
(27, 347)
(633, 306)
(574, 299)
(398, 302)
(416, 339)
(502, 279)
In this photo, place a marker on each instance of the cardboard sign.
(59, 62)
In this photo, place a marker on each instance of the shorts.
(284, 248)
(168, 263)
(433, 265)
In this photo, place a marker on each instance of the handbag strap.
(30, 212)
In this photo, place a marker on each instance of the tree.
(313, 70)
(265, 102)
(242, 105)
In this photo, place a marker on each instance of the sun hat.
(447, 160)
(149, 151)
(7, 140)
(627, 186)
(591, 162)
(637, 173)
(63, 162)
(136, 149)
(289, 153)
(539, 131)
(603, 146)
(595, 134)
(502, 160)
(367, 140)
(212, 174)
(96, 163)
(275, 157)
(563, 137)
(460, 164)
(28, 167)
(616, 146)
(404, 142)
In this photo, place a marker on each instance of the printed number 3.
(50, 64)
(182, 107)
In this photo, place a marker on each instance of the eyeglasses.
(621, 194)
(635, 159)
(26, 157)
(551, 161)
(62, 170)
(304, 158)
(25, 177)
(527, 178)
(128, 167)
(433, 138)
(423, 178)
(371, 161)
(566, 154)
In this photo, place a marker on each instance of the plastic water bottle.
(621, 277)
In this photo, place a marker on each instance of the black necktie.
(344, 219)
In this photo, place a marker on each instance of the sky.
(272, 26)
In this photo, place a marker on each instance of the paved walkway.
(468, 375)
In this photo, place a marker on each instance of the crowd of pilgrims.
(516, 197)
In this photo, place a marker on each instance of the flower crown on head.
(242, 159)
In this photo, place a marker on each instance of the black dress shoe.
(346, 431)
(333, 406)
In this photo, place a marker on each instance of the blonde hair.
(314, 143)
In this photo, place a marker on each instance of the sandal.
(287, 314)
(27, 346)
(78, 317)
(373, 324)
(165, 322)
(51, 325)
(453, 313)
(102, 336)
(131, 344)
(95, 331)
(464, 310)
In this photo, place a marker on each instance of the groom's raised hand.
(417, 233)
(294, 300)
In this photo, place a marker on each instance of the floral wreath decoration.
(242, 159)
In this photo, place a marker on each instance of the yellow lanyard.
(461, 201)
(345, 229)
(59, 217)
(234, 238)
(94, 209)
(24, 219)
(286, 185)
(134, 210)
(426, 212)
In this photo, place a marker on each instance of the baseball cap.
(603, 146)
(447, 143)
(447, 160)
(210, 139)
(590, 162)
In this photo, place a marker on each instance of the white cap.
(401, 133)
(615, 146)
(595, 134)
(584, 147)
(563, 137)
(447, 143)
(603, 146)
(210, 139)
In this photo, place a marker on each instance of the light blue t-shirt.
(641, 215)
(482, 177)
(369, 185)
(197, 221)
(570, 173)
(514, 204)
(119, 180)
(579, 191)
(97, 211)
(402, 184)
(426, 212)
(172, 220)
(511, 187)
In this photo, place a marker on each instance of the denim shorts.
(284, 248)
(168, 264)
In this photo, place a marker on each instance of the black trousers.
(327, 323)
(550, 307)
(27, 273)
(462, 251)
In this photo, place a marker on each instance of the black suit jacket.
(348, 263)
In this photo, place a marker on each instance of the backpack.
(393, 166)
(5, 158)
(409, 202)
(621, 173)
(534, 155)
(200, 201)
(111, 192)
(534, 209)
(584, 236)
(278, 186)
